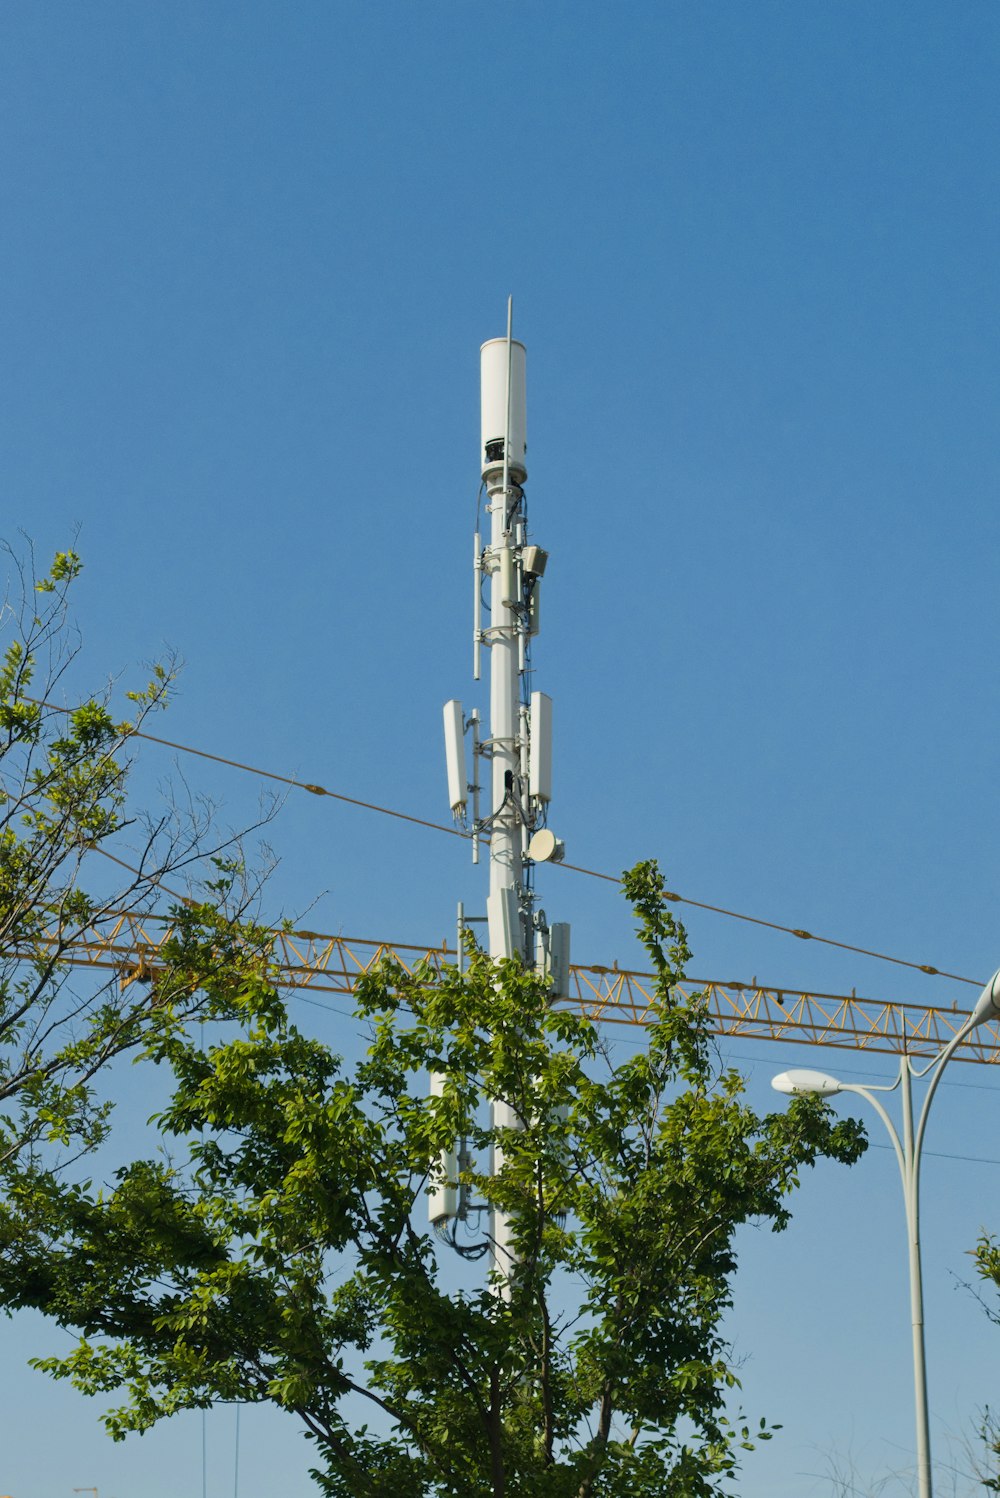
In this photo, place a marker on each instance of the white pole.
(506, 938)
(909, 1149)
(911, 1199)
(505, 837)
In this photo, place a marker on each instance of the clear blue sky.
(247, 257)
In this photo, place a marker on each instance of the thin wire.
(303, 785)
(174, 894)
(754, 920)
(671, 895)
(942, 1155)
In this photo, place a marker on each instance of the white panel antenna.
(477, 607)
(535, 609)
(533, 560)
(442, 1200)
(508, 578)
(559, 959)
(454, 749)
(540, 761)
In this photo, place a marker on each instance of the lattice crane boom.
(129, 945)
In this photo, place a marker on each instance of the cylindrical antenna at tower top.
(493, 388)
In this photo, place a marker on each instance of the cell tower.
(518, 745)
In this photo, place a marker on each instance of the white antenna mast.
(519, 742)
(506, 906)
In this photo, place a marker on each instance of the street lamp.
(908, 1149)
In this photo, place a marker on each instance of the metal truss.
(129, 944)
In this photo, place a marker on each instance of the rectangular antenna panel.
(442, 1199)
(540, 759)
(454, 749)
(509, 591)
(559, 959)
(505, 923)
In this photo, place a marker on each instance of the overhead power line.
(754, 920)
(403, 816)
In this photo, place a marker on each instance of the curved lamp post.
(908, 1150)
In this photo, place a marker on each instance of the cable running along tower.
(515, 755)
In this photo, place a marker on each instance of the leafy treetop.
(283, 1254)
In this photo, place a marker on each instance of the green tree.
(64, 807)
(987, 1256)
(283, 1255)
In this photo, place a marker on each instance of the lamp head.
(801, 1083)
(988, 1005)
